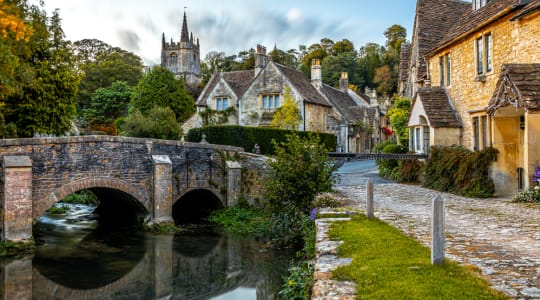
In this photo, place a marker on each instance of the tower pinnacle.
(185, 35)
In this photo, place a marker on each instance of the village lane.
(499, 237)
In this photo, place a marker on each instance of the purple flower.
(313, 215)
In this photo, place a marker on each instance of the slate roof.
(239, 81)
(303, 85)
(437, 107)
(404, 62)
(340, 100)
(523, 80)
(471, 19)
(434, 19)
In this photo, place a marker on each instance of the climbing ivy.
(216, 117)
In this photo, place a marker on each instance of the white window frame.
(222, 103)
(270, 101)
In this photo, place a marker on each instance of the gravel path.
(501, 238)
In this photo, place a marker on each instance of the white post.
(369, 202)
(437, 231)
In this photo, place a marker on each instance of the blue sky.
(230, 26)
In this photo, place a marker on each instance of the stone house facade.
(182, 58)
(481, 86)
(250, 98)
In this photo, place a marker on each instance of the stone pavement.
(499, 237)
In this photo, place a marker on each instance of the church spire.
(185, 35)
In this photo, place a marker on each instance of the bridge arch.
(195, 204)
(96, 184)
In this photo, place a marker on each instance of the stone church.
(183, 58)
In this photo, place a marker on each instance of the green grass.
(241, 220)
(389, 265)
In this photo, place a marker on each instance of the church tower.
(182, 58)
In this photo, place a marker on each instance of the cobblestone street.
(501, 238)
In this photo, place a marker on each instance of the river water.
(76, 258)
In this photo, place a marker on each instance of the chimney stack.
(260, 59)
(344, 81)
(316, 73)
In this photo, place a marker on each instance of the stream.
(77, 258)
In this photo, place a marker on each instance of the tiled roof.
(434, 18)
(339, 99)
(532, 7)
(518, 85)
(473, 19)
(303, 85)
(239, 81)
(437, 107)
(404, 62)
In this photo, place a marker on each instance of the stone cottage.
(250, 98)
(473, 73)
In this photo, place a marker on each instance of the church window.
(270, 101)
(222, 103)
(173, 63)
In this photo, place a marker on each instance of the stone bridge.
(151, 175)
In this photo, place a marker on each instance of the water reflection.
(87, 263)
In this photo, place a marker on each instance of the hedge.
(247, 137)
(460, 171)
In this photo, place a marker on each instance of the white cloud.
(294, 14)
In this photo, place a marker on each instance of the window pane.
(218, 104)
(441, 71)
(277, 101)
(265, 102)
(476, 133)
(418, 137)
(448, 77)
(484, 132)
(479, 56)
(225, 103)
(489, 52)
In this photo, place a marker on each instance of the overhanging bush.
(460, 171)
(389, 166)
(247, 137)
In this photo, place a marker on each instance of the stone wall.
(513, 42)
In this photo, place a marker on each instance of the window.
(484, 54)
(480, 133)
(479, 56)
(444, 70)
(222, 103)
(477, 4)
(173, 63)
(270, 101)
(418, 139)
(489, 50)
(441, 71)
(448, 77)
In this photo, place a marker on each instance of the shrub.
(410, 170)
(531, 195)
(388, 168)
(247, 137)
(460, 171)
(159, 124)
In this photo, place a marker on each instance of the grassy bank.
(389, 265)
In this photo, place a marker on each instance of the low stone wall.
(327, 260)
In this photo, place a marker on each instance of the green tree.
(395, 36)
(101, 65)
(369, 60)
(288, 115)
(300, 171)
(160, 123)
(399, 118)
(45, 102)
(281, 57)
(343, 46)
(159, 87)
(333, 65)
(107, 105)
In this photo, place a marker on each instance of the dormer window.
(477, 4)
(222, 103)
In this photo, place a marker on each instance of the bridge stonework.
(154, 173)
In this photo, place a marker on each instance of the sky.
(230, 26)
